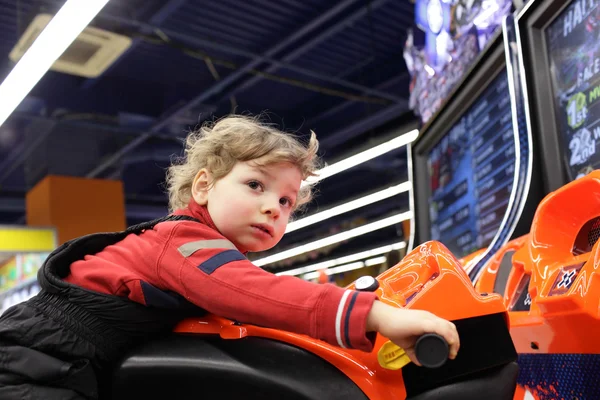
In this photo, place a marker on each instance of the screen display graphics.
(573, 45)
(471, 173)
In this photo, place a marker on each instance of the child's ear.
(200, 187)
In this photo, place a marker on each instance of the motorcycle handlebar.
(432, 350)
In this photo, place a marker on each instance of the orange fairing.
(554, 278)
(425, 279)
(564, 285)
(432, 262)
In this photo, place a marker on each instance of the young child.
(233, 193)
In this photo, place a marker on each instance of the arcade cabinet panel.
(471, 173)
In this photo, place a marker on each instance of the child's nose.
(271, 207)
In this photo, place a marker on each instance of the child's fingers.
(430, 323)
(413, 357)
(451, 335)
(448, 331)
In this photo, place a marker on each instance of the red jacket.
(195, 261)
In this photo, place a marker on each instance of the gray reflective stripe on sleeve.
(338, 319)
(190, 248)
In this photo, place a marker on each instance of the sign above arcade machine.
(448, 37)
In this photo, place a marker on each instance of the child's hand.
(404, 327)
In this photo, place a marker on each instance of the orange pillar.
(76, 206)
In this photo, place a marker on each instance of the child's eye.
(284, 201)
(255, 185)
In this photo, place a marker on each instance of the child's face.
(251, 205)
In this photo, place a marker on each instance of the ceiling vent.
(89, 55)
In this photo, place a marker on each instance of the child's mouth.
(262, 229)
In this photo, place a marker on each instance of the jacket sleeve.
(215, 276)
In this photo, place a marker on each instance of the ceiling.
(335, 67)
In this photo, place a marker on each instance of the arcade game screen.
(471, 173)
(574, 56)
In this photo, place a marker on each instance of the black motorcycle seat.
(207, 367)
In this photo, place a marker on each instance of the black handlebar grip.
(432, 350)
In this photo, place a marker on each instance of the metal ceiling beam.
(219, 86)
(12, 204)
(20, 154)
(163, 154)
(356, 128)
(298, 51)
(201, 42)
(345, 104)
(356, 67)
(158, 18)
(88, 124)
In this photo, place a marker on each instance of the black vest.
(68, 336)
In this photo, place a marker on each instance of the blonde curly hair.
(218, 146)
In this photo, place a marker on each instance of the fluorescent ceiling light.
(375, 261)
(61, 31)
(349, 206)
(336, 270)
(364, 156)
(339, 237)
(346, 267)
(343, 260)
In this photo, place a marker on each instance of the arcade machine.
(548, 277)
(478, 181)
(473, 172)
(546, 269)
